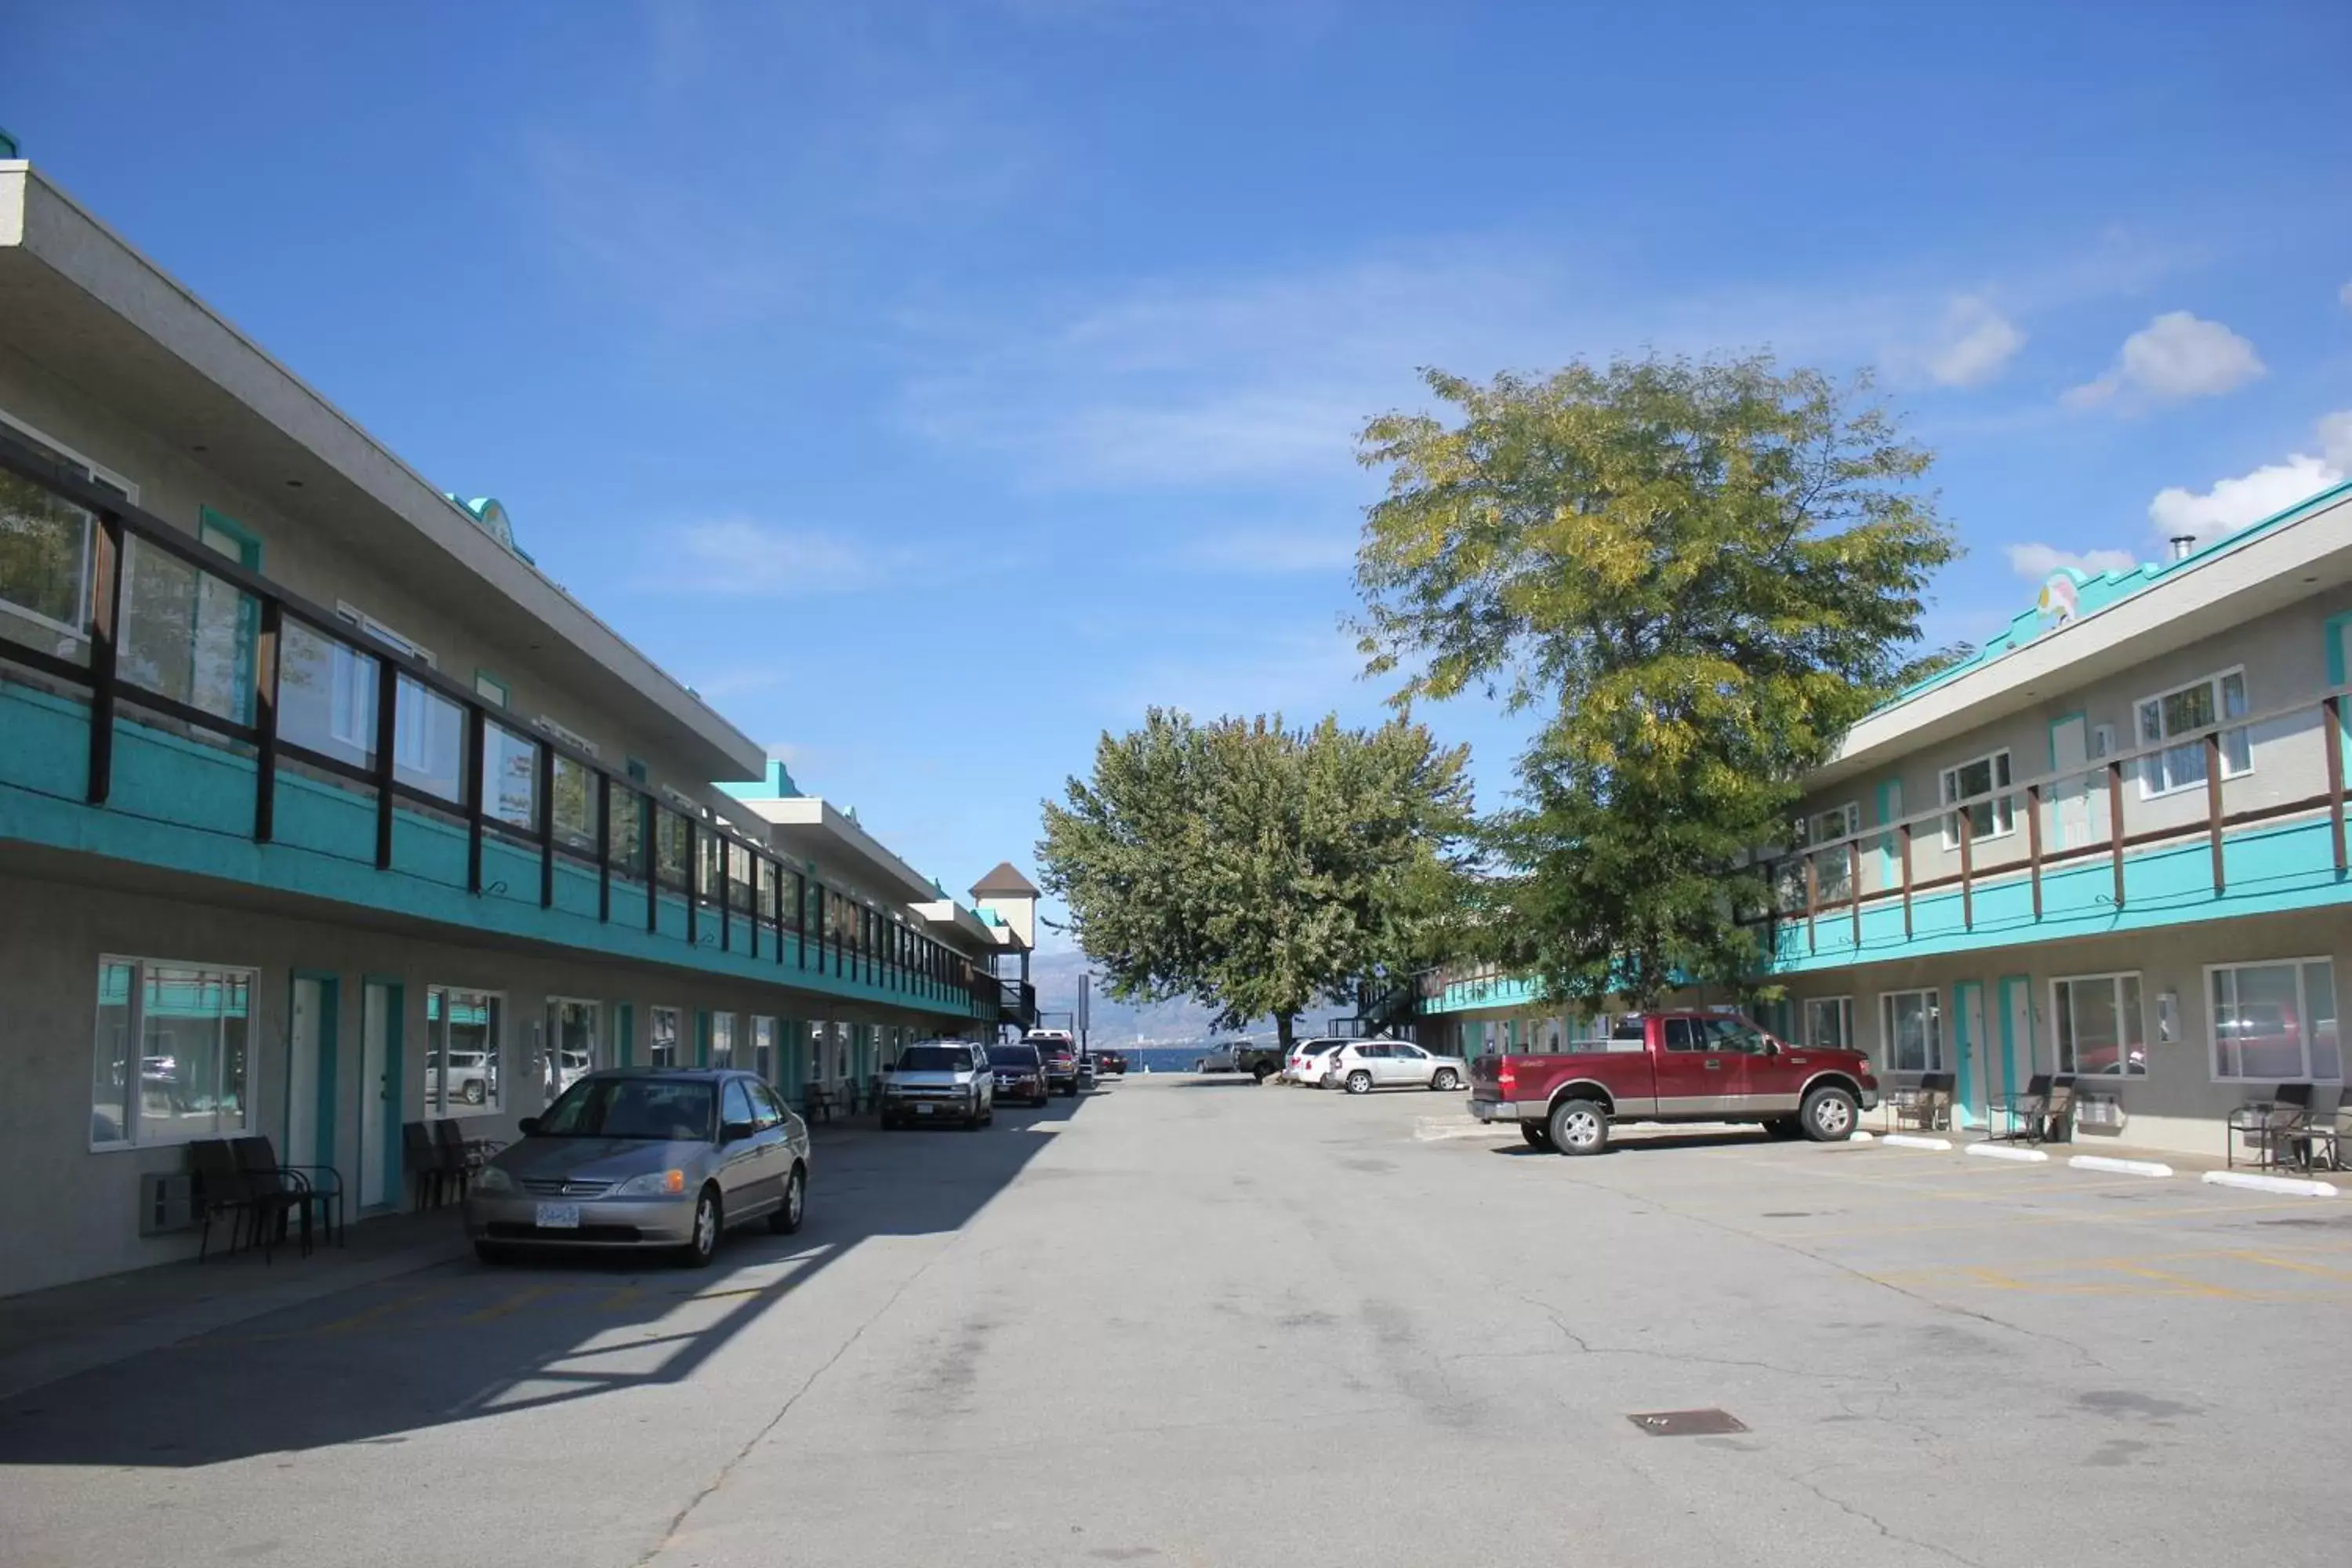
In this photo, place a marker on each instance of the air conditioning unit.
(2099, 1110)
(166, 1202)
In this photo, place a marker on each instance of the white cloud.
(1977, 345)
(2035, 563)
(737, 556)
(2177, 355)
(2345, 294)
(2335, 439)
(2233, 503)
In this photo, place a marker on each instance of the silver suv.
(939, 1080)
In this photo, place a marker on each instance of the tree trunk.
(1283, 1034)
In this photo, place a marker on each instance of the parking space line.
(2320, 1269)
(2183, 1284)
(380, 1311)
(514, 1304)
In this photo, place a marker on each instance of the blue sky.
(936, 385)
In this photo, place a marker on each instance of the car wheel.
(1261, 1074)
(492, 1253)
(786, 1220)
(1538, 1135)
(1579, 1127)
(703, 1245)
(1829, 1115)
(888, 1125)
(1444, 1082)
(1360, 1082)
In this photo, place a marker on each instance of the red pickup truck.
(1674, 1066)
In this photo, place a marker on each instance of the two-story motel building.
(2112, 843)
(323, 811)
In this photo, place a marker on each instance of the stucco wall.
(68, 1212)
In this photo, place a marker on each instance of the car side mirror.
(528, 1126)
(736, 1132)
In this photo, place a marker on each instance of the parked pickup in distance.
(1674, 1066)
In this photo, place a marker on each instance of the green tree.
(1700, 575)
(1256, 868)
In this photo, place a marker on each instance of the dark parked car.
(1062, 1067)
(1110, 1064)
(1020, 1071)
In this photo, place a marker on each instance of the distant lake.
(1161, 1059)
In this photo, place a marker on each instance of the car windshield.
(934, 1058)
(673, 1109)
(1013, 1056)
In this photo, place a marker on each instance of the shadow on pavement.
(1645, 1143)
(461, 1340)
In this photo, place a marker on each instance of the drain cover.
(1688, 1423)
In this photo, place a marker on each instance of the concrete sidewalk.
(50, 1334)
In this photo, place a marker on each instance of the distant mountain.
(1182, 1022)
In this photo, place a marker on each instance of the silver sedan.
(645, 1157)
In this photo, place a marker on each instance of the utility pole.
(1085, 1007)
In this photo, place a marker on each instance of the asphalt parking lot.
(1198, 1321)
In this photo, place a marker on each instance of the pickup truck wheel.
(1538, 1135)
(1445, 1082)
(1828, 1115)
(1360, 1082)
(1261, 1074)
(1579, 1127)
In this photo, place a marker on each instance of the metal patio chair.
(220, 1190)
(1928, 1105)
(322, 1184)
(2264, 1130)
(2042, 1114)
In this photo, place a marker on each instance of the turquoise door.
(2016, 1036)
(1967, 1053)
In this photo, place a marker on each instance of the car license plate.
(559, 1217)
(925, 1109)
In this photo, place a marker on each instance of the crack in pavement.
(1587, 1347)
(1885, 1531)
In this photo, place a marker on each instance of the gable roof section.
(1005, 882)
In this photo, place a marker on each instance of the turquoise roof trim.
(491, 517)
(776, 784)
(9, 146)
(2096, 594)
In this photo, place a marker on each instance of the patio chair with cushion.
(2264, 1130)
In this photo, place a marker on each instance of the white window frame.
(135, 1057)
(598, 1045)
(2150, 766)
(98, 473)
(766, 1038)
(653, 1032)
(720, 1016)
(2303, 1008)
(411, 739)
(2002, 771)
(502, 1056)
(1886, 1000)
(2062, 1022)
(547, 726)
(1844, 1005)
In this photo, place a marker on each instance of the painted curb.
(2253, 1183)
(2004, 1151)
(2121, 1167)
(1904, 1140)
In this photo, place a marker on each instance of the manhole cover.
(1688, 1423)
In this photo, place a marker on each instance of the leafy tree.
(1255, 869)
(1701, 575)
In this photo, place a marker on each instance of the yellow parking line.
(2183, 1284)
(380, 1311)
(2322, 1270)
(621, 1300)
(514, 1304)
